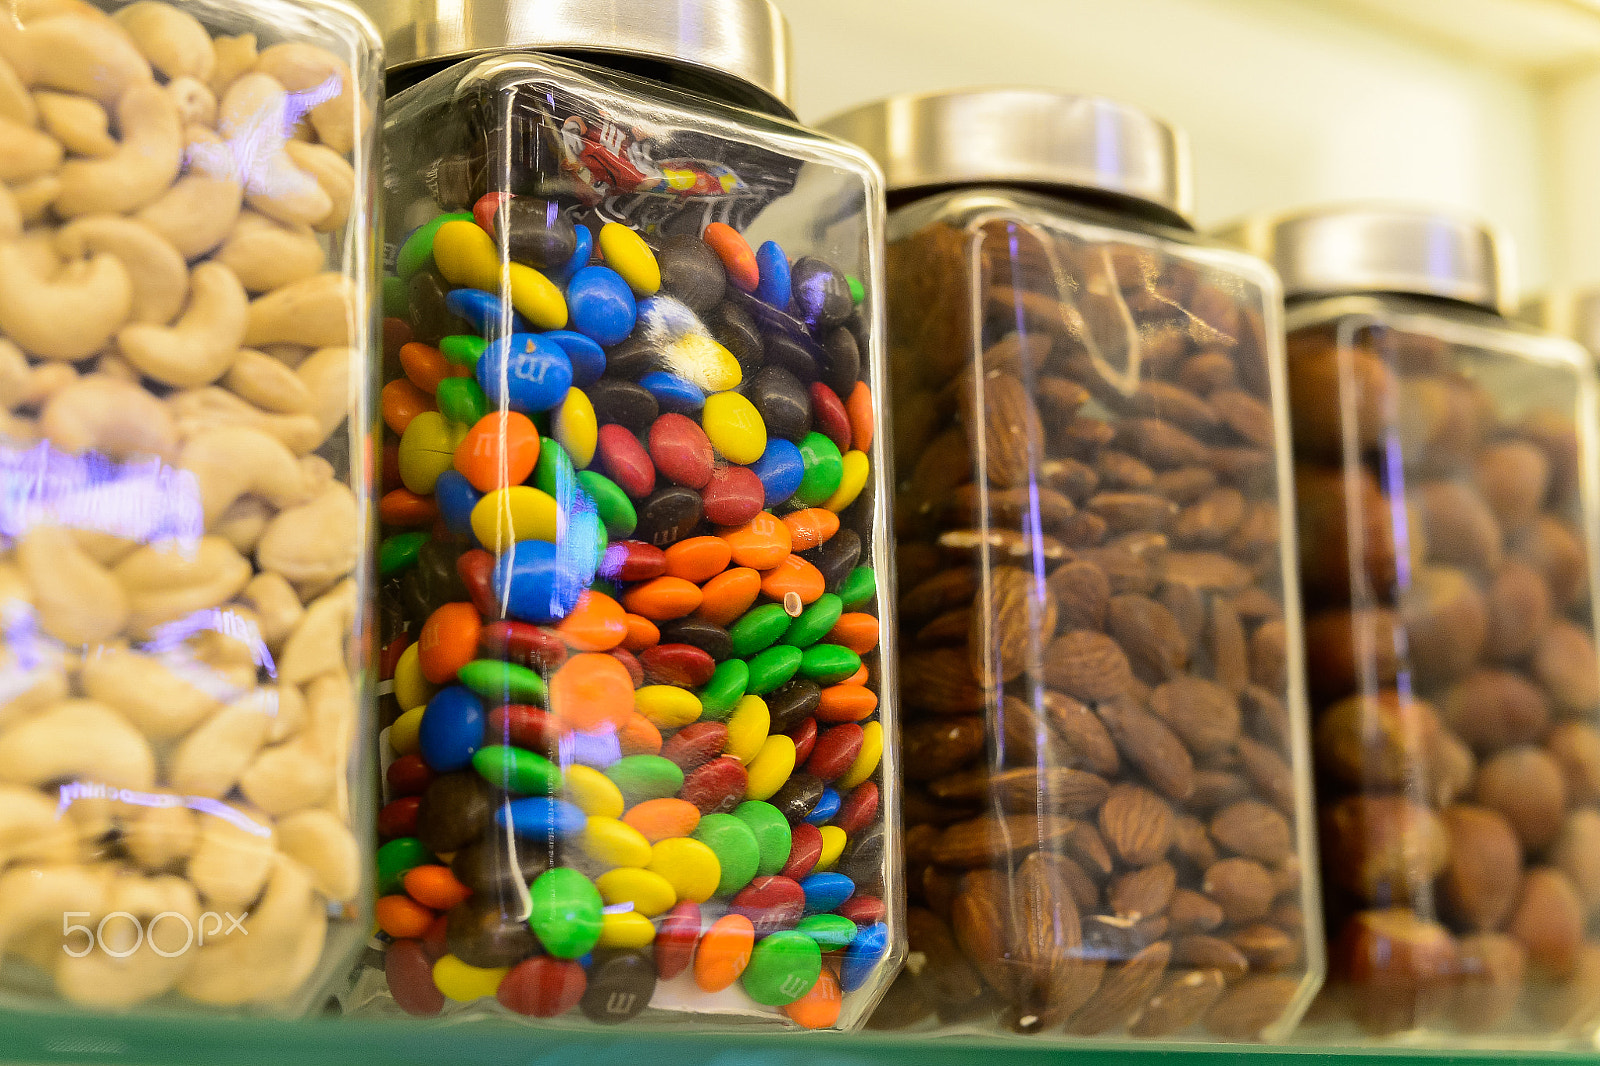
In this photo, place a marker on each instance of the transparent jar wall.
(1107, 792)
(184, 447)
(691, 756)
(1445, 472)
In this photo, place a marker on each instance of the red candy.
(409, 971)
(734, 496)
(676, 937)
(399, 819)
(436, 941)
(858, 809)
(631, 661)
(735, 253)
(624, 460)
(523, 644)
(836, 749)
(863, 910)
(543, 987)
(804, 736)
(485, 211)
(408, 776)
(805, 848)
(829, 416)
(634, 560)
(402, 507)
(390, 656)
(772, 904)
(476, 570)
(695, 744)
(682, 451)
(717, 787)
(683, 665)
(522, 726)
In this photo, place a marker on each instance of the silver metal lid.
(1022, 136)
(1373, 247)
(744, 43)
(1573, 313)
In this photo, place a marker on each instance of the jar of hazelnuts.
(1446, 494)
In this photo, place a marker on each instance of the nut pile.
(1099, 798)
(177, 707)
(1454, 676)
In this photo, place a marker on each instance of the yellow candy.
(466, 255)
(615, 843)
(627, 254)
(536, 297)
(594, 793)
(856, 468)
(770, 768)
(411, 689)
(626, 929)
(734, 426)
(576, 428)
(688, 866)
(833, 842)
(518, 512)
(428, 449)
(667, 706)
(747, 728)
(464, 983)
(403, 734)
(867, 761)
(698, 358)
(647, 891)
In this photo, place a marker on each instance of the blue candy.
(535, 591)
(674, 394)
(599, 750)
(863, 956)
(826, 807)
(456, 498)
(780, 469)
(542, 817)
(525, 372)
(775, 286)
(824, 892)
(580, 256)
(451, 731)
(600, 305)
(485, 311)
(588, 358)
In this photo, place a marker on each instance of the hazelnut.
(1557, 437)
(1492, 966)
(1526, 786)
(1329, 382)
(1446, 622)
(1548, 921)
(1566, 665)
(1460, 527)
(1576, 853)
(1519, 611)
(1423, 415)
(1383, 848)
(1375, 741)
(1574, 1005)
(1557, 552)
(1494, 709)
(1418, 353)
(1449, 768)
(1399, 964)
(1481, 880)
(1513, 476)
(1330, 515)
(1347, 650)
(1576, 749)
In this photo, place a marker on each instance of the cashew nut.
(267, 383)
(235, 56)
(31, 828)
(92, 57)
(174, 41)
(159, 275)
(318, 311)
(29, 690)
(314, 544)
(34, 198)
(324, 845)
(10, 215)
(243, 523)
(115, 418)
(77, 740)
(79, 123)
(267, 255)
(107, 549)
(26, 152)
(290, 776)
(16, 103)
(209, 760)
(253, 113)
(144, 165)
(15, 373)
(78, 600)
(336, 176)
(196, 410)
(233, 857)
(201, 346)
(161, 837)
(164, 582)
(301, 67)
(276, 605)
(69, 314)
(146, 690)
(284, 925)
(195, 101)
(31, 896)
(229, 461)
(328, 377)
(317, 646)
(138, 958)
(199, 210)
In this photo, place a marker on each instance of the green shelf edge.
(38, 1039)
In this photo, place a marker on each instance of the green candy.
(828, 664)
(645, 777)
(396, 301)
(515, 770)
(858, 291)
(463, 349)
(397, 857)
(462, 400)
(783, 967)
(566, 912)
(506, 682)
(416, 254)
(604, 587)
(726, 688)
(814, 622)
(858, 587)
(774, 838)
(823, 470)
(830, 931)
(758, 629)
(735, 847)
(772, 668)
(553, 469)
(399, 551)
(615, 509)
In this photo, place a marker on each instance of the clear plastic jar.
(185, 331)
(1446, 481)
(1107, 794)
(631, 550)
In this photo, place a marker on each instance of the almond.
(1190, 912)
(1075, 480)
(1150, 746)
(1150, 636)
(1126, 512)
(1206, 371)
(1160, 444)
(1253, 829)
(1179, 1004)
(1269, 772)
(947, 977)
(1190, 840)
(1211, 520)
(1084, 845)
(983, 841)
(1242, 887)
(1202, 951)
(1244, 414)
(978, 920)
(1143, 892)
(1087, 665)
(1122, 472)
(939, 682)
(1186, 484)
(1245, 1011)
(934, 747)
(1256, 539)
(1175, 404)
(1006, 633)
(942, 592)
(1137, 824)
(1228, 650)
(1082, 593)
(1013, 437)
(1202, 713)
(1087, 743)
(1267, 948)
(1123, 990)
(1051, 789)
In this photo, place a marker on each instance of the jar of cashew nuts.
(1107, 800)
(185, 247)
(1445, 472)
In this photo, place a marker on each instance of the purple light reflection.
(141, 500)
(73, 791)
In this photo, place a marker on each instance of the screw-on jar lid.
(741, 43)
(1344, 248)
(1025, 137)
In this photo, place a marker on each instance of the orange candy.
(637, 735)
(403, 918)
(402, 507)
(597, 623)
(426, 366)
(435, 886)
(723, 952)
(591, 691)
(449, 641)
(735, 253)
(698, 559)
(846, 703)
(728, 595)
(761, 543)
(403, 401)
(856, 631)
(500, 450)
(857, 678)
(795, 575)
(812, 527)
(664, 598)
(859, 407)
(818, 1008)
(663, 819)
(642, 633)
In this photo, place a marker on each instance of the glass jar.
(1107, 793)
(633, 524)
(1445, 477)
(185, 331)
